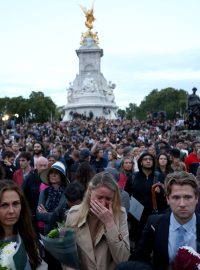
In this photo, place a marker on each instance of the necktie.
(180, 238)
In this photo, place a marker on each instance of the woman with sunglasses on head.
(100, 225)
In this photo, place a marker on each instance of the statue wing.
(84, 9)
(93, 5)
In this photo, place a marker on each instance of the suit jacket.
(155, 238)
(107, 249)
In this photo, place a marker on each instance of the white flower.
(6, 254)
(191, 251)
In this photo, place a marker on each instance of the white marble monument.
(90, 94)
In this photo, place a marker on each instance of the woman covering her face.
(100, 225)
(16, 228)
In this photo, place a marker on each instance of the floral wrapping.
(63, 248)
(186, 259)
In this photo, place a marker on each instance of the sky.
(147, 44)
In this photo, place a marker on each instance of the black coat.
(155, 238)
(8, 170)
(31, 188)
(139, 187)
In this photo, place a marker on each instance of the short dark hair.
(26, 155)
(141, 158)
(175, 152)
(8, 154)
(74, 191)
(194, 144)
(181, 178)
(98, 149)
(40, 143)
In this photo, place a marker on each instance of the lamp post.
(5, 119)
(13, 120)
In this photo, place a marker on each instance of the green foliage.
(131, 111)
(169, 100)
(53, 233)
(41, 108)
(37, 108)
(121, 113)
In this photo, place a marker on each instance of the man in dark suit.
(161, 234)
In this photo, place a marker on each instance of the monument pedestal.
(90, 93)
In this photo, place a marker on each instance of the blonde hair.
(102, 179)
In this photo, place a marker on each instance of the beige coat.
(109, 248)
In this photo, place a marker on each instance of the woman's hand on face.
(104, 214)
(42, 209)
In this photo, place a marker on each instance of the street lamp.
(13, 120)
(5, 117)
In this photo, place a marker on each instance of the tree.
(37, 108)
(41, 108)
(121, 113)
(169, 100)
(12, 106)
(131, 111)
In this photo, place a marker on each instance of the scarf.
(53, 198)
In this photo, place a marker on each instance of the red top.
(122, 180)
(18, 177)
(191, 158)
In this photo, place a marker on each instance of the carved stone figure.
(109, 92)
(89, 85)
(70, 93)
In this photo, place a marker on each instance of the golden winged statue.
(89, 16)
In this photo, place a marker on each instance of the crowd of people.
(121, 185)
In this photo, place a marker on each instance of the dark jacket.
(155, 238)
(139, 186)
(31, 188)
(99, 165)
(8, 170)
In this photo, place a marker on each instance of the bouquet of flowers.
(13, 255)
(7, 250)
(61, 243)
(186, 259)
